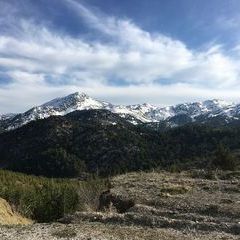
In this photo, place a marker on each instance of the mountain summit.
(72, 102)
(140, 113)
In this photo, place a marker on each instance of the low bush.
(44, 199)
(224, 159)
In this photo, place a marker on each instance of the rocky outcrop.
(108, 199)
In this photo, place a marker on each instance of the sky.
(125, 52)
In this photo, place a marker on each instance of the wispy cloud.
(228, 23)
(42, 63)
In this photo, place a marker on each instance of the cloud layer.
(121, 63)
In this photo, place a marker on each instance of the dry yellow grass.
(10, 217)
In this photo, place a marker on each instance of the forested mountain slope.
(99, 141)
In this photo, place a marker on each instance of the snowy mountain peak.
(147, 105)
(70, 103)
(67, 100)
(134, 113)
(217, 103)
(78, 96)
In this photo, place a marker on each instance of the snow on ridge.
(7, 116)
(144, 112)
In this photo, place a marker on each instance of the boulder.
(108, 199)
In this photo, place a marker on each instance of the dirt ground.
(169, 206)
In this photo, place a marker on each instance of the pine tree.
(224, 159)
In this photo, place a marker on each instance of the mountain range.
(77, 134)
(170, 116)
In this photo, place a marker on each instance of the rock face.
(108, 199)
(10, 217)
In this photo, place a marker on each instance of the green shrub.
(224, 159)
(174, 168)
(44, 199)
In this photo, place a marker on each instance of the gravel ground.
(99, 231)
(168, 207)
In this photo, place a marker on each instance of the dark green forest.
(102, 143)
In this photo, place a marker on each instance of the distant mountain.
(170, 116)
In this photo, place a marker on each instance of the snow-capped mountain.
(139, 113)
(7, 116)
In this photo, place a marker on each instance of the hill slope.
(102, 142)
(60, 146)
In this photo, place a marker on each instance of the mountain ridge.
(174, 115)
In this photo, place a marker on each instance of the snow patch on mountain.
(7, 116)
(145, 113)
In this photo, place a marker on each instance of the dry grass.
(10, 217)
(179, 201)
(150, 187)
(178, 190)
(89, 193)
(169, 206)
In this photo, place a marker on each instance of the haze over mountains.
(171, 116)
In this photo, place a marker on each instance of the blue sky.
(129, 51)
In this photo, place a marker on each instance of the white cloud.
(156, 68)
